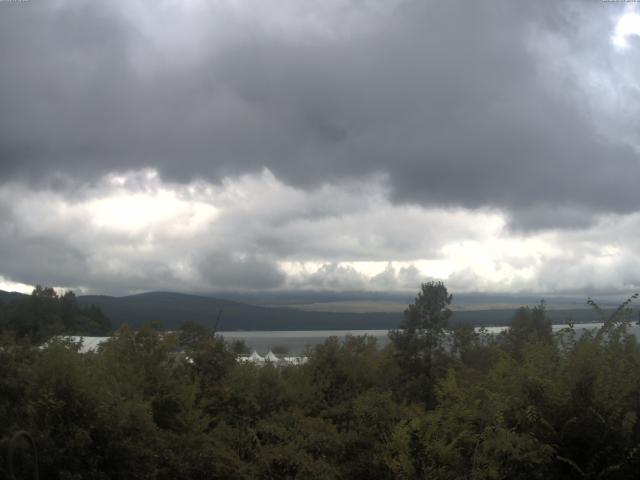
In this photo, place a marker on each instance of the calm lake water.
(297, 341)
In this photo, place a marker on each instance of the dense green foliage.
(39, 316)
(436, 403)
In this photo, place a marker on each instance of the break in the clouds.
(324, 145)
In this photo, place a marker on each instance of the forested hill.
(170, 310)
(45, 313)
(6, 297)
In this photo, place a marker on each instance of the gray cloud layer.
(338, 145)
(455, 103)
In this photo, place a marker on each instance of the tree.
(529, 325)
(192, 335)
(419, 341)
(43, 314)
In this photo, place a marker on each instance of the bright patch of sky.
(627, 26)
(9, 286)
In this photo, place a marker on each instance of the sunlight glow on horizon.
(9, 286)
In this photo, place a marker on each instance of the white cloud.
(627, 25)
(131, 232)
(9, 286)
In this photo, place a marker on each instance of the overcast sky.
(250, 145)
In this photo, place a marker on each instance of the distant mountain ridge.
(6, 297)
(169, 310)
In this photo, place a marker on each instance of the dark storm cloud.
(458, 103)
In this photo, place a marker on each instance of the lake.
(297, 340)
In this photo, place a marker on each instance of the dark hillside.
(170, 310)
(6, 297)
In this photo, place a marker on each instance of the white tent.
(270, 357)
(255, 358)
